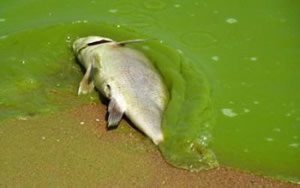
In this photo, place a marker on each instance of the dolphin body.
(127, 78)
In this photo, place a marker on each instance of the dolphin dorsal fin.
(123, 43)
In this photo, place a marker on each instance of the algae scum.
(231, 70)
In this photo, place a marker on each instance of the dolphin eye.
(107, 90)
(98, 42)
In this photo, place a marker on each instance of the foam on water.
(228, 112)
(231, 20)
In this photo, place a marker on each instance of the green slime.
(249, 52)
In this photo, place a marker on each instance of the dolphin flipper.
(86, 84)
(115, 113)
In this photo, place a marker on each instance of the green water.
(245, 81)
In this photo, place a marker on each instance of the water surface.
(247, 52)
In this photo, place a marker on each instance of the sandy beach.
(74, 149)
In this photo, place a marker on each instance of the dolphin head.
(85, 42)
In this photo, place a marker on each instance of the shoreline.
(75, 143)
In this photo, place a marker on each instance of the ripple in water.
(139, 21)
(154, 4)
(198, 39)
(122, 8)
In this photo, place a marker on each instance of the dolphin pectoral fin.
(85, 88)
(115, 113)
(86, 84)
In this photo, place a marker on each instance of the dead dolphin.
(127, 78)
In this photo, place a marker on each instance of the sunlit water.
(245, 82)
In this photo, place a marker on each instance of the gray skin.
(127, 78)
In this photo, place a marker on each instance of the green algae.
(189, 116)
(36, 75)
(248, 50)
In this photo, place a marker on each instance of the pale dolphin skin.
(127, 78)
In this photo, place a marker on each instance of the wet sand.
(74, 149)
